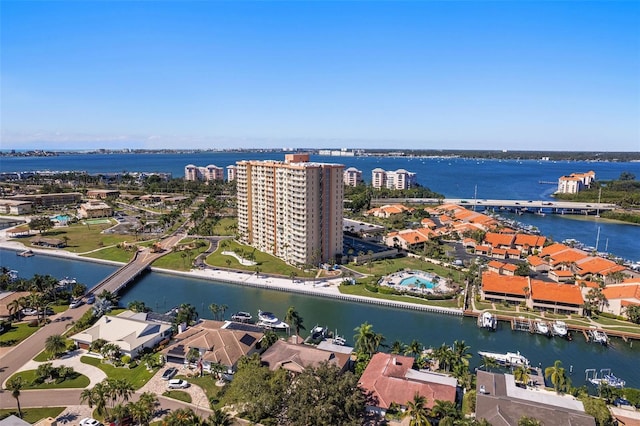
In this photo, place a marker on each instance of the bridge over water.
(117, 281)
(533, 206)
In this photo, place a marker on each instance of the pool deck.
(395, 280)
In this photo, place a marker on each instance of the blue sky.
(555, 75)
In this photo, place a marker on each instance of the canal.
(163, 291)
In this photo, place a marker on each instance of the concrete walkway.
(72, 359)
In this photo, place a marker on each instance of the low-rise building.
(95, 208)
(621, 296)
(131, 332)
(502, 403)
(206, 173)
(50, 200)
(575, 182)
(15, 207)
(391, 379)
(296, 357)
(103, 194)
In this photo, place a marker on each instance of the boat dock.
(521, 324)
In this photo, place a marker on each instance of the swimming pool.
(417, 282)
(60, 218)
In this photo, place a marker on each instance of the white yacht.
(488, 321)
(598, 336)
(541, 327)
(559, 328)
(508, 359)
(269, 320)
(241, 317)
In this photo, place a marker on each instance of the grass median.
(137, 376)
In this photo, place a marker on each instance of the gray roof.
(501, 402)
(13, 420)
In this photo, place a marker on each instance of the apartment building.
(575, 182)
(399, 179)
(207, 173)
(231, 173)
(291, 209)
(352, 176)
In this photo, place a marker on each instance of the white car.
(75, 303)
(29, 311)
(88, 421)
(177, 384)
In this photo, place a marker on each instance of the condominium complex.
(399, 179)
(352, 176)
(231, 173)
(575, 182)
(206, 174)
(291, 209)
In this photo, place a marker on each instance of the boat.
(269, 320)
(488, 321)
(606, 378)
(13, 275)
(339, 340)
(598, 336)
(241, 316)
(318, 334)
(26, 253)
(508, 359)
(559, 328)
(541, 327)
(66, 282)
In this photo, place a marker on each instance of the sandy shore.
(318, 287)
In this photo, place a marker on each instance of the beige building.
(231, 173)
(207, 173)
(95, 209)
(575, 182)
(399, 179)
(352, 176)
(15, 207)
(291, 209)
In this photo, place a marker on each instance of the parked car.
(88, 421)
(29, 311)
(47, 311)
(75, 303)
(91, 299)
(177, 384)
(621, 402)
(169, 373)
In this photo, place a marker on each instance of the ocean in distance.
(162, 291)
(453, 177)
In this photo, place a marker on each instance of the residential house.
(391, 379)
(296, 357)
(620, 296)
(501, 402)
(388, 210)
(218, 342)
(130, 331)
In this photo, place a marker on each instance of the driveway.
(72, 359)
(158, 386)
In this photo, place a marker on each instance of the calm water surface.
(163, 291)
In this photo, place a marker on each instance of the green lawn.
(268, 264)
(112, 253)
(225, 226)
(78, 381)
(360, 290)
(16, 334)
(138, 376)
(389, 266)
(83, 238)
(33, 415)
(176, 261)
(179, 395)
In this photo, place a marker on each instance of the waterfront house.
(391, 379)
(504, 288)
(556, 298)
(502, 403)
(620, 296)
(296, 357)
(218, 342)
(131, 332)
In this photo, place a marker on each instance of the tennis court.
(97, 221)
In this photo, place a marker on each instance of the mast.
(597, 239)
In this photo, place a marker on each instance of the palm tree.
(294, 319)
(461, 352)
(489, 363)
(219, 418)
(444, 409)
(186, 314)
(96, 397)
(214, 308)
(397, 347)
(529, 421)
(444, 355)
(558, 376)
(119, 390)
(144, 410)
(521, 374)
(367, 341)
(55, 345)
(13, 307)
(414, 348)
(180, 417)
(15, 384)
(417, 411)
(270, 337)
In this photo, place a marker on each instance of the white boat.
(598, 336)
(508, 359)
(605, 378)
(241, 316)
(67, 282)
(269, 320)
(488, 321)
(541, 327)
(339, 340)
(13, 275)
(559, 328)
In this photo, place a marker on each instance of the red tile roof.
(551, 292)
(495, 240)
(552, 249)
(388, 382)
(510, 267)
(597, 265)
(496, 283)
(622, 291)
(530, 240)
(495, 264)
(535, 261)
